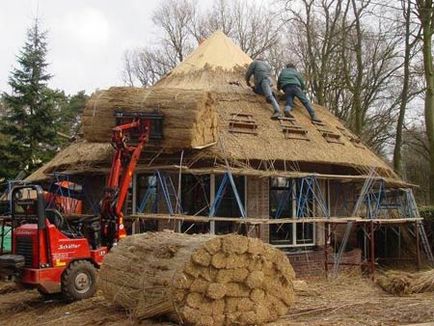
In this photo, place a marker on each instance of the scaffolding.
(377, 200)
(376, 205)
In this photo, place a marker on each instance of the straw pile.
(189, 117)
(198, 279)
(404, 283)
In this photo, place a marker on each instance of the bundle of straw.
(404, 283)
(199, 279)
(189, 116)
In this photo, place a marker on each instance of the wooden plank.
(265, 221)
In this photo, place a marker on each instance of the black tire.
(79, 281)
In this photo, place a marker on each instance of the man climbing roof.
(261, 70)
(292, 84)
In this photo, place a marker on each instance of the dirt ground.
(348, 300)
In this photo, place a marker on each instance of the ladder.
(414, 212)
(425, 243)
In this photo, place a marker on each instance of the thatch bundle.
(198, 279)
(404, 283)
(189, 117)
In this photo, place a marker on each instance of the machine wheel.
(79, 281)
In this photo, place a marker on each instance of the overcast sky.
(86, 38)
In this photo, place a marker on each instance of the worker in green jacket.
(292, 84)
(261, 70)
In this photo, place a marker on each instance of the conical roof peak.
(218, 51)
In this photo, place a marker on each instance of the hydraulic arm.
(122, 170)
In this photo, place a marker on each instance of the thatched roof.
(217, 66)
(78, 156)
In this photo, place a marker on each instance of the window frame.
(295, 224)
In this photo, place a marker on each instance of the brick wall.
(257, 203)
(311, 263)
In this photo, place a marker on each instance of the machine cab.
(42, 238)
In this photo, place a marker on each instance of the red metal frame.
(123, 165)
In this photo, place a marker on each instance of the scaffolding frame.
(374, 199)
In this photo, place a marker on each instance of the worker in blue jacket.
(292, 84)
(261, 70)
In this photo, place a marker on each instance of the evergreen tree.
(29, 124)
(71, 113)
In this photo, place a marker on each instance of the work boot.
(315, 119)
(288, 114)
(276, 115)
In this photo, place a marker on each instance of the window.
(146, 201)
(195, 198)
(228, 206)
(285, 195)
(195, 193)
(281, 206)
(146, 193)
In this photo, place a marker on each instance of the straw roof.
(77, 156)
(217, 66)
(271, 144)
(218, 51)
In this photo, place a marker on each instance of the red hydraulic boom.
(123, 166)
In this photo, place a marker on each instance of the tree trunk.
(357, 93)
(397, 159)
(425, 9)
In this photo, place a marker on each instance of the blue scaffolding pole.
(227, 177)
(167, 189)
(374, 199)
(310, 192)
(144, 201)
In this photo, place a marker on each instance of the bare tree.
(316, 31)
(175, 17)
(425, 13)
(253, 26)
(350, 58)
(410, 44)
(145, 67)
(416, 160)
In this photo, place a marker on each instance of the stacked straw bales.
(200, 279)
(190, 120)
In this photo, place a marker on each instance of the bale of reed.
(404, 283)
(190, 120)
(198, 279)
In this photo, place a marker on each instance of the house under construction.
(312, 189)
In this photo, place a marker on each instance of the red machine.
(56, 255)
